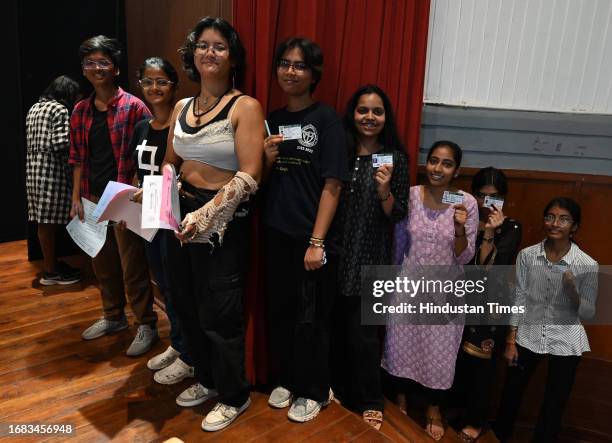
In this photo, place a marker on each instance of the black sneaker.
(57, 278)
(68, 271)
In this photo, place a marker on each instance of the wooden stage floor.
(48, 374)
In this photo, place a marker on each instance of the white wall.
(546, 55)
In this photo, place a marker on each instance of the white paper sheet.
(116, 205)
(160, 203)
(88, 234)
(151, 201)
(110, 192)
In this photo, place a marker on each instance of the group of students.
(327, 207)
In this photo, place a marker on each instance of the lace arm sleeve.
(213, 217)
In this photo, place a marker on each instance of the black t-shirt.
(102, 162)
(298, 176)
(146, 140)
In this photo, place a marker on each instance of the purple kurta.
(427, 354)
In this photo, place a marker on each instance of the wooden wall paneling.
(586, 415)
(527, 199)
(159, 27)
(596, 203)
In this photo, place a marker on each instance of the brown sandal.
(431, 422)
(373, 418)
(467, 438)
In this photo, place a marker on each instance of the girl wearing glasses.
(306, 162)
(496, 244)
(439, 234)
(375, 199)
(215, 141)
(557, 285)
(159, 82)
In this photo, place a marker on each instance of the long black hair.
(64, 90)
(490, 176)
(388, 137)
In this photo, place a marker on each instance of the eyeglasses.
(285, 65)
(217, 48)
(483, 195)
(149, 82)
(563, 220)
(99, 64)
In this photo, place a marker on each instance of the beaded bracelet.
(316, 242)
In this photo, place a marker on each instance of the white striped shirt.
(539, 288)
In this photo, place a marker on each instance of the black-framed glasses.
(285, 65)
(159, 82)
(563, 220)
(97, 64)
(217, 48)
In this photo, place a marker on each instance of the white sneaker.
(280, 397)
(221, 416)
(194, 395)
(163, 360)
(176, 372)
(305, 409)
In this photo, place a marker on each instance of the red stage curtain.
(364, 41)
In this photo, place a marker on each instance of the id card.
(489, 202)
(452, 198)
(560, 267)
(379, 160)
(291, 132)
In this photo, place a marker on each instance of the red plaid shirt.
(124, 111)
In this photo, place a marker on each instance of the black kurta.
(367, 231)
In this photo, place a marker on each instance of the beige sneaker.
(176, 372)
(221, 416)
(194, 395)
(163, 360)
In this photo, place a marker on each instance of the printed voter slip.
(379, 160)
(452, 198)
(489, 202)
(291, 132)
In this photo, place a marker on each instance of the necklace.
(198, 114)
